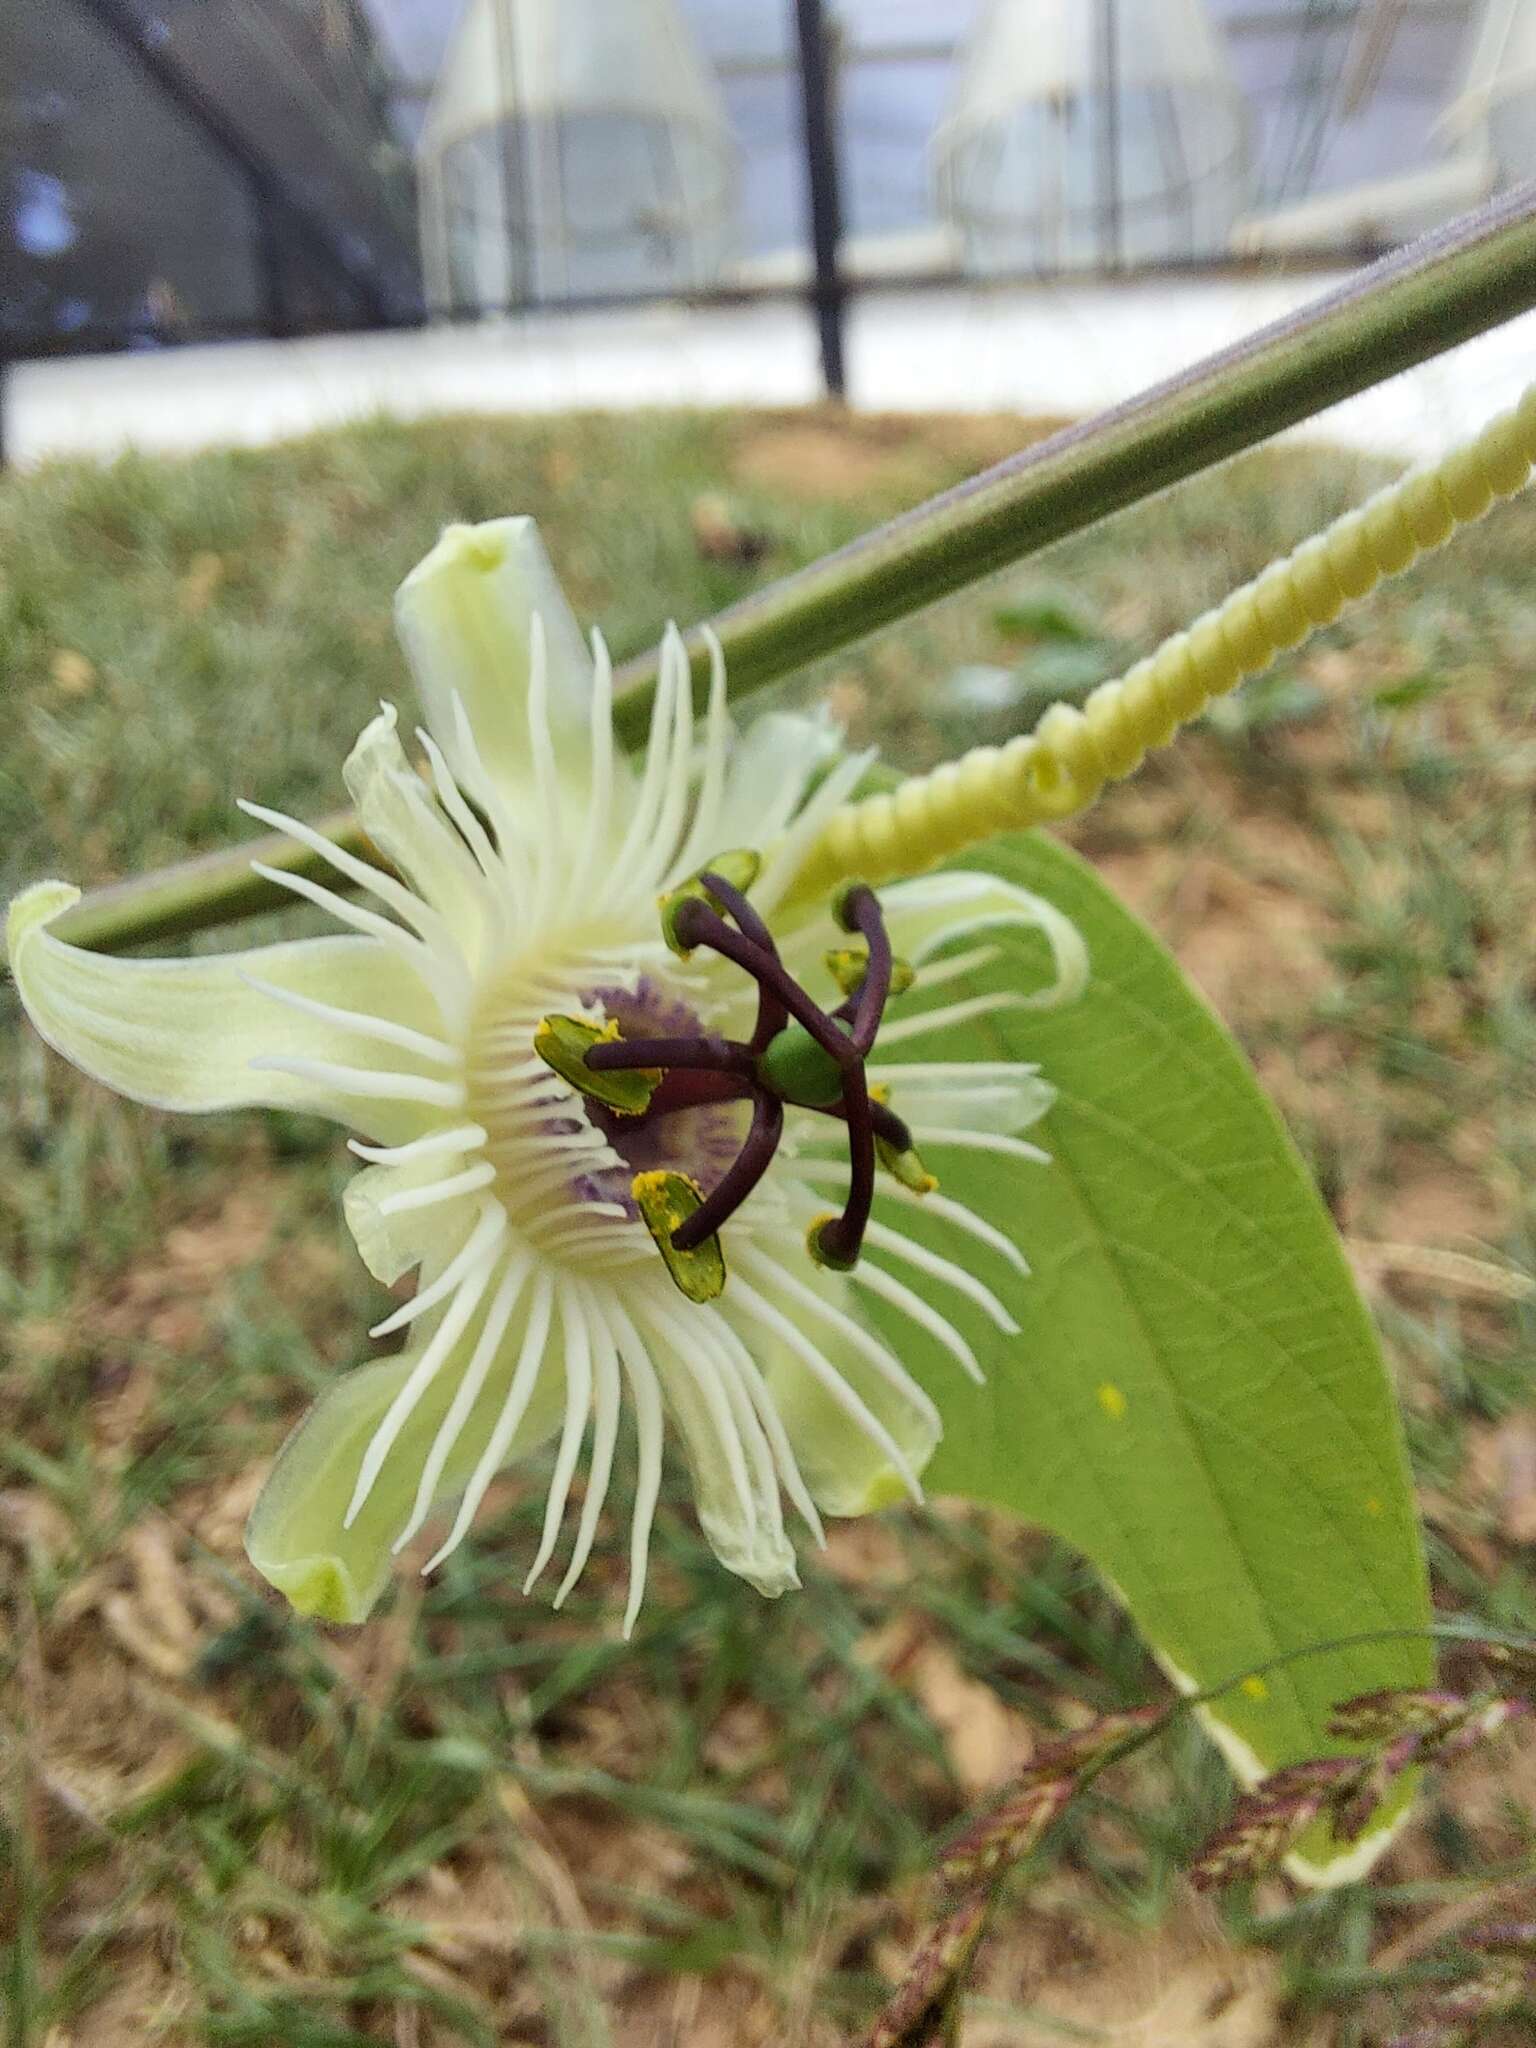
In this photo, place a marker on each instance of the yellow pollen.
(1112, 1401)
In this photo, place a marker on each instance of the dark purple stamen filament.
(703, 1068)
(771, 1012)
(718, 1055)
(748, 1168)
(692, 1087)
(862, 912)
(885, 1123)
(697, 925)
(840, 1239)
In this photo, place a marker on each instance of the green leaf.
(1417, 689)
(1197, 1400)
(1043, 612)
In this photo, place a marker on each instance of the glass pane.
(119, 218)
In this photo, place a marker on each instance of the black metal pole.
(1110, 249)
(513, 142)
(272, 297)
(821, 166)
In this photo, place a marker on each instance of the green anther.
(564, 1042)
(906, 1167)
(840, 903)
(665, 1202)
(796, 1069)
(670, 905)
(816, 1245)
(848, 965)
(738, 865)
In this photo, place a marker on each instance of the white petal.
(773, 1428)
(477, 1370)
(548, 819)
(789, 856)
(183, 1034)
(599, 827)
(464, 616)
(526, 1375)
(607, 1402)
(903, 1027)
(392, 1083)
(954, 966)
(447, 1333)
(923, 914)
(390, 1242)
(355, 917)
(413, 912)
(771, 766)
(674, 802)
(466, 823)
(959, 1099)
(847, 1450)
(467, 1182)
(578, 1400)
(932, 1204)
(295, 1536)
(489, 1229)
(945, 1074)
(965, 1219)
(511, 826)
(900, 1246)
(645, 1392)
(980, 1141)
(704, 836)
(457, 1138)
(816, 1301)
(876, 1280)
(735, 1483)
(400, 817)
(383, 1030)
(635, 859)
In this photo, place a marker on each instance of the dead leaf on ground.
(986, 1741)
(1500, 1474)
(1433, 1202)
(205, 572)
(721, 535)
(72, 674)
(1180, 1987)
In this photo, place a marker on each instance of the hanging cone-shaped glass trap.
(572, 149)
(1498, 103)
(1361, 148)
(1089, 134)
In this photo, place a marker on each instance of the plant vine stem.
(1440, 291)
(1416, 303)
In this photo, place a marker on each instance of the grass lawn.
(479, 1822)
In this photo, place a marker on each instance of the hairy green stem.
(1442, 290)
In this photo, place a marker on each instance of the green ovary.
(798, 1070)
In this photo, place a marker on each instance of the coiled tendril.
(1063, 764)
